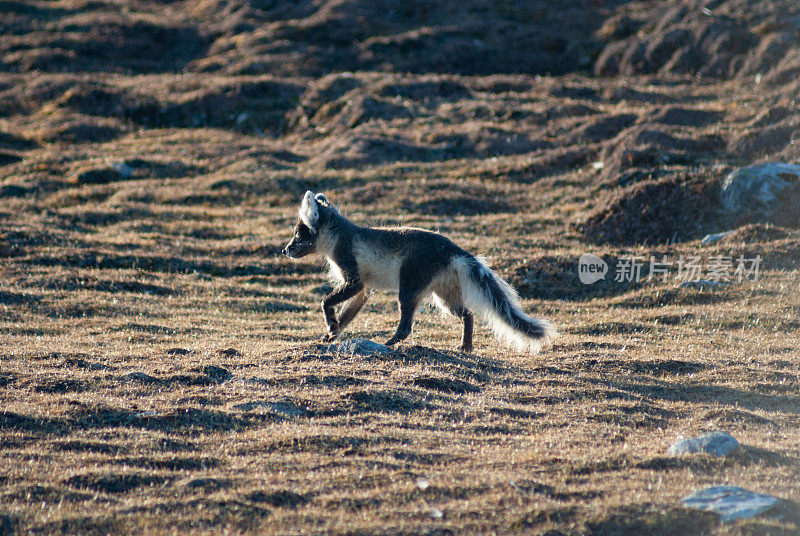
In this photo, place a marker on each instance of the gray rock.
(703, 283)
(123, 169)
(712, 238)
(716, 444)
(730, 502)
(755, 190)
(359, 347)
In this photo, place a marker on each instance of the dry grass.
(159, 370)
(115, 420)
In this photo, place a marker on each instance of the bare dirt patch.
(658, 211)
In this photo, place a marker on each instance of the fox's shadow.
(405, 354)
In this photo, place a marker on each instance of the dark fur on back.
(426, 253)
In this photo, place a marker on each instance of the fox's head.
(312, 215)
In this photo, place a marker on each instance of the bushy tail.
(497, 303)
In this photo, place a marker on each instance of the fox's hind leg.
(448, 296)
(453, 304)
(466, 336)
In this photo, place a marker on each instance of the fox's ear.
(322, 199)
(309, 212)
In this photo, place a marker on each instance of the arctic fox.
(418, 264)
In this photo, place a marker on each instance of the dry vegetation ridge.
(159, 371)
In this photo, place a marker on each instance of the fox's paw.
(329, 337)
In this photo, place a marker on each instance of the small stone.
(712, 238)
(423, 483)
(715, 443)
(730, 502)
(437, 514)
(242, 119)
(362, 347)
(123, 169)
(703, 283)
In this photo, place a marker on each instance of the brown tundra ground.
(159, 365)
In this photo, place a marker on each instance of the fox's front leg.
(336, 297)
(408, 302)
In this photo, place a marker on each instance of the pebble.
(242, 118)
(123, 169)
(712, 238)
(715, 443)
(703, 283)
(730, 502)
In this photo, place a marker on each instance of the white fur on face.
(309, 212)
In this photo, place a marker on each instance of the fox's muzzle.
(294, 250)
(303, 242)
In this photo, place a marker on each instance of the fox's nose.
(285, 251)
